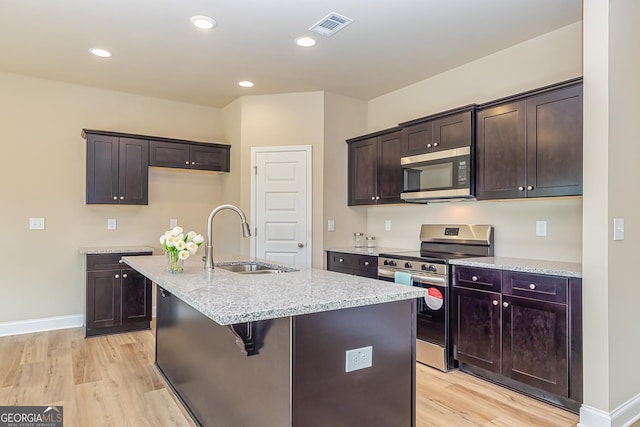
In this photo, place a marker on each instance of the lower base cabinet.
(521, 330)
(118, 298)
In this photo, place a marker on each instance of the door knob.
(300, 244)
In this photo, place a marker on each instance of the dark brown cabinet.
(211, 157)
(530, 145)
(117, 170)
(348, 263)
(520, 329)
(118, 298)
(451, 129)
(374, 170)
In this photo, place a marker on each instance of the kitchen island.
(301, 348)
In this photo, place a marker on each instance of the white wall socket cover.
(387, 225)
(358, 358)
(111, 224)
(173, 222)
(541, 228)
(36, 223)
(331, 225)
(618, 228)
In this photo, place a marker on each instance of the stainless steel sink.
(253, 267)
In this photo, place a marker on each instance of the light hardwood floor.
(111, 381)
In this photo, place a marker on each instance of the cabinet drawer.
(339, 260)
(99, 262)
(478, 278)
(366, 263)
(536, 286)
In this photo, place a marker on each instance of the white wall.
(547, 59)
(43, 175)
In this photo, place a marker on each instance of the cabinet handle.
(520, 188)
(373, 197)
(366, 263)
(529, 187)
(505, 304)
(429, 145)
(532, 286)
(435, 144)
(121, 197)
(494, 302)
(193, 163)
(117, 276)
(187, 162)
(341, 260)
(124, 275)
(115, 197)
(120, 261)
(164, 293)
(474, 278)
(377, 197)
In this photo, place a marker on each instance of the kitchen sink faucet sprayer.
(208, 252)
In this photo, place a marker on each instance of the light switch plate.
(111, 224)
(331, 225)
(358, 358)
(541, 228)
(387, 225)
(173, 222)
(36, 223)
(618, 228)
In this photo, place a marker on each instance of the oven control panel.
(412, 266)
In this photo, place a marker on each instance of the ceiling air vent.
(331, 24)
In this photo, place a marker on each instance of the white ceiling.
(157, 52)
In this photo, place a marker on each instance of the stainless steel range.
(429, 268)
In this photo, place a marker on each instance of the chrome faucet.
(208, 250)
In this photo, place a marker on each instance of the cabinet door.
(169, 154)
(366, 266)
(389, 168)
(554, 143)
(209, 158)
(476, 328)
(102, 169)
(501, 152)
(452, 132)
(103, 299)
(136, 297)
(363, 172)
(417, 139)
(535, 344)
(134, 171)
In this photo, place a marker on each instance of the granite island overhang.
(309, 347)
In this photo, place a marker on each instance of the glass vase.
(174, 263)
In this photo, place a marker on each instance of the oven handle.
(428, 280)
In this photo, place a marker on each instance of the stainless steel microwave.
(439, 176)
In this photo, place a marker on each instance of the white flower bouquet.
(178, 246)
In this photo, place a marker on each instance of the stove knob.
(433, 268)
(407, 265)
(392, 263)
(386, 262)
(425, 267)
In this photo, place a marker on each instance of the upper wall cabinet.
(118, 163)
(444, 131)
(212, 157)
(117, 170)
(375, 174)
(530, 145)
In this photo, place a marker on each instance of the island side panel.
(218, 384)
(382, 395)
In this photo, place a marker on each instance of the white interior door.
(282, 201)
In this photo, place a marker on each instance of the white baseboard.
(623, 416)
(41, 325)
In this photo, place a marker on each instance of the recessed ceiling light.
(100, 52)
(305, 42)
(245, 83)
(203, 22)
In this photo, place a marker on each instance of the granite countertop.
(368, 251)
(556, 268)
(229, 298)
(93, 250)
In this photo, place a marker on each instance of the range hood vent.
(331, 24)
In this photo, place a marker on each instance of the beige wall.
(43, 175)
(612, 66)
(547, 59)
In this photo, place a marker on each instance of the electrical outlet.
(331, 225)
(358, 358)
(111, 224)
(541, 228)
(173, 222)
(36, 223)
(387, 225)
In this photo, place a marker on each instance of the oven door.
(432, 309)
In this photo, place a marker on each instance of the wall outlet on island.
(358, 358)
(173, 222)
